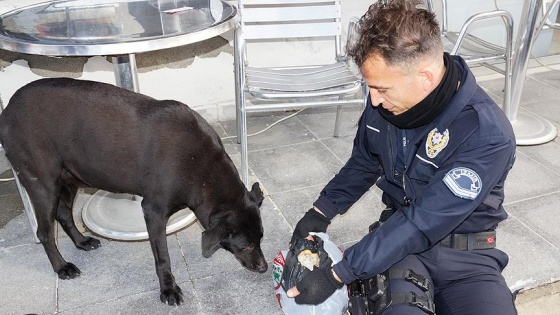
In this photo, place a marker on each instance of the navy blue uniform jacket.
(444, 177)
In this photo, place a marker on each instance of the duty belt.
(481, 240)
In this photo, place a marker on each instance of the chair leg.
(28, 206)
(242, 136)
(507, 90)
(238, 124)
(239, 82)
(337, 121)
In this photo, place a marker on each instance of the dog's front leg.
(156, 221)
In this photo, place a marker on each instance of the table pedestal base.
(119, 216)
(531, 129)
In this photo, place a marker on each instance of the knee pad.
(372, 296)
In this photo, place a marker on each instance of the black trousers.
(464, 282)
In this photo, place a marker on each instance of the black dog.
(61, 134)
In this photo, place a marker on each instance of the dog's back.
(108, 137)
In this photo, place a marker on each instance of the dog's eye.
(248, 248)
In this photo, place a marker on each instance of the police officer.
(440, 150)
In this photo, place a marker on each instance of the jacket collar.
(463, 96)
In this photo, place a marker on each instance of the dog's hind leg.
(156, 218)
(64, 217)
(43, 186)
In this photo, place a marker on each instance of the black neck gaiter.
(431, 106)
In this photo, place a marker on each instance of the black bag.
(294, 271)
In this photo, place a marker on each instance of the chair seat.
(298, 82)
(473, 49)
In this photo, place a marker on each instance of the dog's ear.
(256, 194)
(211, 240)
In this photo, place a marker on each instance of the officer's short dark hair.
(397, 30)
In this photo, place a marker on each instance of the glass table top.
(105, 27)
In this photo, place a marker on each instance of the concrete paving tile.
(116, 269)
(6, 174)
(287, 132)
(533, 90)
(549, 78)
(539, 300)
(142, 303)
(541, 216)
(294, 203)
(547, 109)
(341, 147)
(494, 88)
(8, 186)
(321, 121)
(528, 179)
(294, 167)
(347, 229)
(27, 284)
(546, 154)
(12, 207)
(238, 292)
(532, 260)
(17, 232)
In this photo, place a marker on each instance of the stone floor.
(292, 161)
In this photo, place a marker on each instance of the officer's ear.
(429, 74)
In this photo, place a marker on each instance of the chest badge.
(436, 142)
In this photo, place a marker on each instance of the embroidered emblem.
(463, 182)
(436, 142)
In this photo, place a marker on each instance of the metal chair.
(477, 51)
(291, 87)
(546, 23)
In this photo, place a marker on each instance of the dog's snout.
(262, 267)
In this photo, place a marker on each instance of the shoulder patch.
(436, 142)
(463, 182)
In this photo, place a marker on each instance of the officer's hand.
(312, 221)
(315, 287)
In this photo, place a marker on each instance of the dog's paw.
(89, 243)
(69, 271)
(172, 296)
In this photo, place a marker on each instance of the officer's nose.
(376, 97)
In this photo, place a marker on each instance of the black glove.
(317, 286)
(312, 221)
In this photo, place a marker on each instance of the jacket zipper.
(406, 201)
(390, 136)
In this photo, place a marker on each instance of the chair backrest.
(283, 19)
(443, 22)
